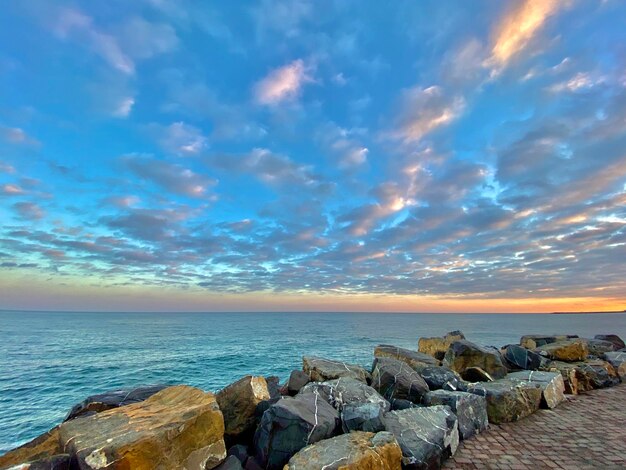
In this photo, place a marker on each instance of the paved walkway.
(586, 432)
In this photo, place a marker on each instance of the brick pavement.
(586, 432)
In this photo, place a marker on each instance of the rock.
(297, 380)
(273, 386)
(239, 451)
(395, 379)
(112, 399)
(55, 462)
(508, 401)
(436, 346)
(415, 360)
(354, 451)
(252, 464)
(426, 435)
(470, 410)
(463, 354)
(178, 427)
(574, 380)
(341, 392)
(517, 357)
(291, 424)
(441, 377)
(400, 404)
(551, 384)
(238, 404)
(616, 340)
(597, 347)
(599, 373)
(571, 350)
(476, 374)
(42, 447)
(534, 341)
(362, 417)
(320, 370)
(231, 463)
(618, 361)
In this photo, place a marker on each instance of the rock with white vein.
(320, 369)
(427, 436)
(470, 410)
(394, 379)
(551, 383)
(291, 424)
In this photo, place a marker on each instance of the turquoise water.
(49, 361)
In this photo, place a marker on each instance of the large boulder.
(178, 427)
(394, 379)
(297, 380)
(597, 347)
(437, 346)
(570, 350)
(470, 410)
(517, 357)
(616, 340)
(238, 404)
(508, 401)
(112, 399)
(290, 425)
(599, 373)
(231, 463)
(354, 451)
(476, 374)
(427, 436)
(551, 384)
(534, 341)
(55, 462)
(319, 369)
(413, 359)
(618, 361)
(463, 354)
(42, 447)
(441, 378)
(361, 406)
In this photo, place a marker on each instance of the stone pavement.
(586, 432)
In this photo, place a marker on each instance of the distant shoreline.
(582, 313)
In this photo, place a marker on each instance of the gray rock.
(297, 380)
(551, 384)
(616, 340)
(599, 373)
(517, 357)
(415, 360)
(291, 424)
(426, 436)
(400, 404)
(362, 417)
(597, 347)
(618, 360)
(112, 399)
(239, 451)
(464, 354)
(341, 392)
(441, 377)
(395, 379)
(319, 369)
(231, 463)
(508, 401)
(470, 410)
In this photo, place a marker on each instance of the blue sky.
(325, 155)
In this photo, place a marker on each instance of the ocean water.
(51, 360)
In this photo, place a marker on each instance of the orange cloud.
(519, 27)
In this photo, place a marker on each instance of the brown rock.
(179, 427)
(354, 451)
(41, 447)
(238, 403)
(437, 346)
(321, 370)
(415, 360)
(464, 354)
(534, 341)
(569, 350)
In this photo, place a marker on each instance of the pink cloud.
(282, 84)
(11, 190)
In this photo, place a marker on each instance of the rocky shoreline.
(409, 410)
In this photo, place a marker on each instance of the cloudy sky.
(313, 155)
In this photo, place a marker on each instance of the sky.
(313, 155)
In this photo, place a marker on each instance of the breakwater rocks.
(408, 410)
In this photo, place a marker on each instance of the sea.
(51, 360)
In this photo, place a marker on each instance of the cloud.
(142, 39)
(345, 144)
(182, 139)
(174, 178)
(282, 84)
(423, 110)
(124, 107)
(518, 28)
(29, 210)
(17, 136)
(11, 190)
